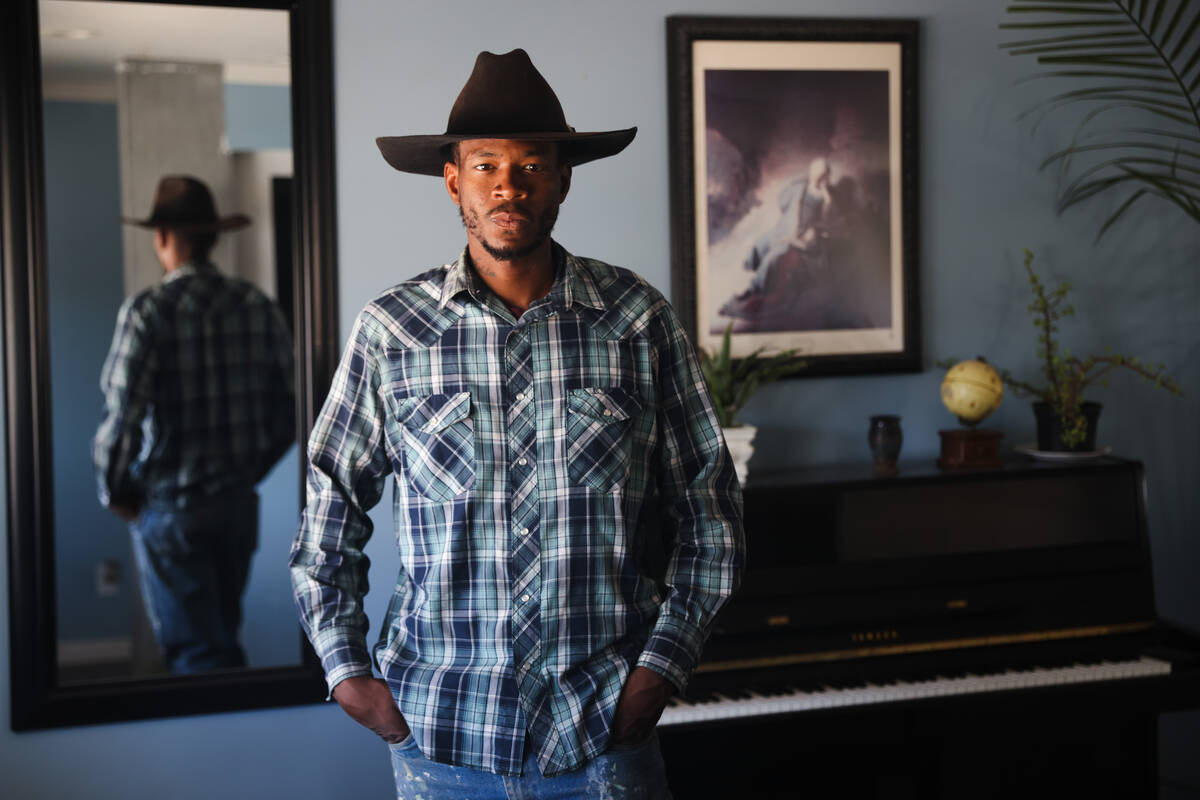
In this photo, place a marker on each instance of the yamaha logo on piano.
(875, 636)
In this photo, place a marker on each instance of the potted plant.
(1128, 61)
(1065, 420)
(732, 382)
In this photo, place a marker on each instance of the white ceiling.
(251, 43)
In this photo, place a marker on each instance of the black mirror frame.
(37, 699)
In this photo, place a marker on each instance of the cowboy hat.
(505, 98)
(184, 203)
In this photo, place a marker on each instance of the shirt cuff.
(672, 650)
(343, 654)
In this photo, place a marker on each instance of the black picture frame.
(38, 700)
(784, 104)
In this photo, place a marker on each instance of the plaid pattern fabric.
(533, 463)
(198, 391)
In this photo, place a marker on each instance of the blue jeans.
(624, 773)
(194, 563)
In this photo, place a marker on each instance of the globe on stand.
(971, 391)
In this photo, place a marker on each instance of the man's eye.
(482, 167)
(533, 167)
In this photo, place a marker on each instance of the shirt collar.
(460, 278)
(190, 268)
(572, 281)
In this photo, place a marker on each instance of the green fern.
(1139, 58)
(732, 382)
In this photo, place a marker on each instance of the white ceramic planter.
(740, 441)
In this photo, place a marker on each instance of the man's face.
(508, 192)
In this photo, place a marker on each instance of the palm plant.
(1141, 59)
(732, 382)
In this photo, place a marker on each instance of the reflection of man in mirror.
(198, 406)
(567, 517)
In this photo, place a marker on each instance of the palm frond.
(1110, 45)
(1121, 209)
(1122, 94)
(1179, 137)
(1130, 146)
(1141, 59)
(1084, 186)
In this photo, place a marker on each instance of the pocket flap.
(434, 412)
(607, 405)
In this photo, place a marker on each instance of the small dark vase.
(1049, 428)
(885, 438)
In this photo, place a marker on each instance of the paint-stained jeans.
(625, 773)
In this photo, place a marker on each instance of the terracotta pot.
(1049, 428)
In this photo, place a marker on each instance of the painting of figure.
(794, 189)
(798, 200)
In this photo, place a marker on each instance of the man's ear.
(450, 176)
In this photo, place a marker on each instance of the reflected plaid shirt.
(536, 462)
(198, 390)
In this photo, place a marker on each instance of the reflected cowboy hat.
(505, 98)
(184, 203)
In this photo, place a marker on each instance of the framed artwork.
(794, 188)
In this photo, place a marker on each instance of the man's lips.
(509, 218)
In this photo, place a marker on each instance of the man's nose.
(510, 182)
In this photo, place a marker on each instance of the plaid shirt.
(536, 462)
(198, 391)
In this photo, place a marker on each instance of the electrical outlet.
(108, 578)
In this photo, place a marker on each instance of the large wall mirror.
(100, 100)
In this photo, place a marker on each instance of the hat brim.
(230, 223)
(426, 155)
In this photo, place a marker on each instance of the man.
(198, 406)
(546, 427)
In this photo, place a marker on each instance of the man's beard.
(545, 224)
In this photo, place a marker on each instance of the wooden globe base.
(970, 448)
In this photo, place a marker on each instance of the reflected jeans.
(633, 772)
(194, 562)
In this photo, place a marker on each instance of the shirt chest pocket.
(598, 436)
(439, 444)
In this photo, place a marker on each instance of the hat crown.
(506, 94)
(505, 98)
(184, 203)
(183, 199)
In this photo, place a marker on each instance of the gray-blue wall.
(258, 117)
(83, 239)
(398, 69)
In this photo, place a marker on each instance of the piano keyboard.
(748, 703)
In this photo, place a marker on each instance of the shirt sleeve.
(701, 500)
(347, 467)
(126, 381)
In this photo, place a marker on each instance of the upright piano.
(957, 634)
